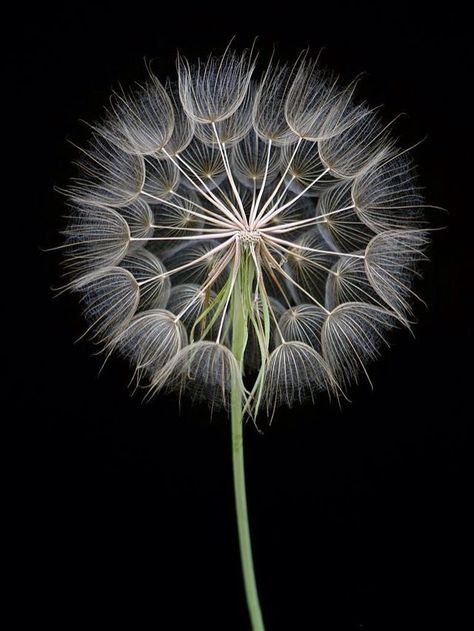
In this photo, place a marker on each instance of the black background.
(123, 512)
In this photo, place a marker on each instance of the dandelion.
(247, 238)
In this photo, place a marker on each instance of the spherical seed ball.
(241, 222)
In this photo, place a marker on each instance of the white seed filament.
(278, 198)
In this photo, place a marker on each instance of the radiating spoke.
(281, 271)
(298, 246)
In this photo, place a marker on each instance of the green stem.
(239, 336)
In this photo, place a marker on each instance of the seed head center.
(249, 237)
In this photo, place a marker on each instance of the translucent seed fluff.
(239, 202)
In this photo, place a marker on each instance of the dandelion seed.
(302, 323)
(107, 176)
(190, 301)
(150, 341)
(392, 259)
(352, 336)
(250, 163)
(183, 128)
(139, 218)
(141, 121)
(357, 148)
(340, 226)
(110, 297)
(269, 108)
(305, 171)
(294, 372)
(212, 91)
(248, 239)
(151, 276)
(96, 237)
(387, 198)
(347, 281)
(161, 180)
(205, 370)
(310, 103)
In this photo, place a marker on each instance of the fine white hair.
(274, 203)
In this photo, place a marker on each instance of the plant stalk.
(239, 338)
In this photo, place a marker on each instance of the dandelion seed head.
(244, 228)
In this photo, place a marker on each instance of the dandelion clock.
(247, 235)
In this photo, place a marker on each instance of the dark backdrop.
(123, 512)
